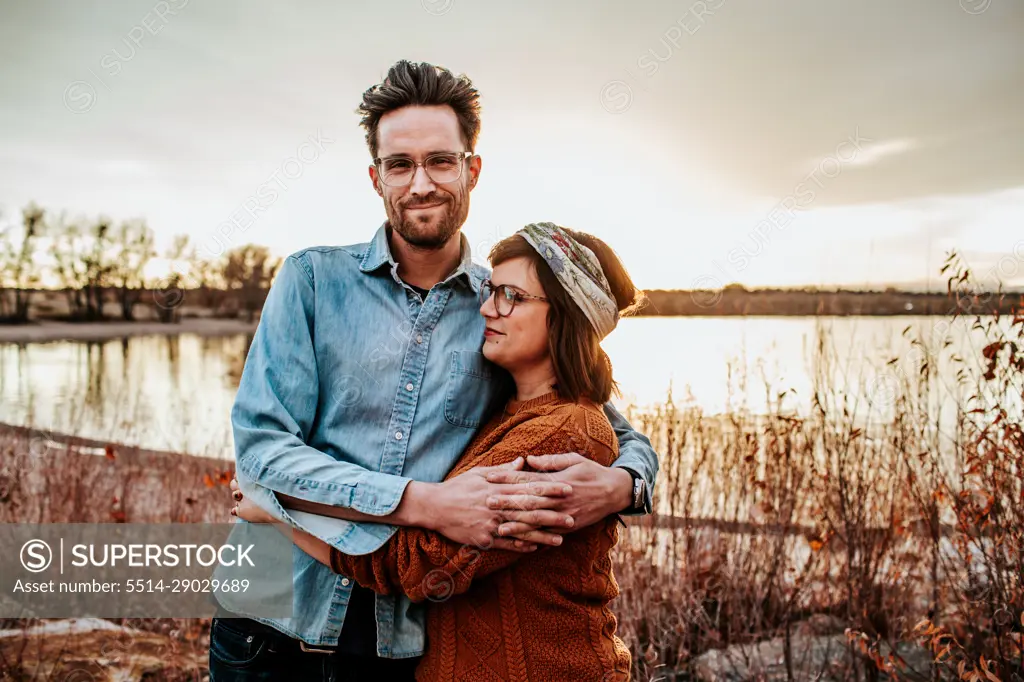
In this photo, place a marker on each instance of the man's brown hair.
(423, 84)
(582, 368)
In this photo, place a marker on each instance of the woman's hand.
(247, 509)
(596, 491)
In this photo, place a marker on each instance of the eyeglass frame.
(519, 295)
(463, 157)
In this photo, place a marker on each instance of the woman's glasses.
(505, 297)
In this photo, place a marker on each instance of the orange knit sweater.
(497, 615)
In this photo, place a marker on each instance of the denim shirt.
(353, 386)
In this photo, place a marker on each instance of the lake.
(175, 392)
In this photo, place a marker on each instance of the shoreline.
(50, 330)
(43, 440)
(46, 330)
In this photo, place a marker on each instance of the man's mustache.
(424, 201)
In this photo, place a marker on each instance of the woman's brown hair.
(582, 368)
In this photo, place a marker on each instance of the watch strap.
(637, 503)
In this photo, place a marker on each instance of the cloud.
(762, 87)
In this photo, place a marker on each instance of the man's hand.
(597, 491)
(460, 508)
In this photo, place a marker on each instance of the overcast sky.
(771, 143)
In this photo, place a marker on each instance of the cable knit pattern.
(503, 616)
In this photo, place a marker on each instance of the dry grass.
(47, 479)
(902, 534)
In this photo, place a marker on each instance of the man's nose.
(421, 182)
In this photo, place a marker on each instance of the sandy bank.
(38, 332)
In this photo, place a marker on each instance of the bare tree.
(169, 293)
(248, 272)
(208, 276)
(205, 275)
(133, 249)
(17, 256)
(200, 280)
(6, 251)
(98, 265)
(68, 241)
(180, 250)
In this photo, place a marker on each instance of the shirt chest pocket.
(471, 388)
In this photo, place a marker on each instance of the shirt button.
(408, 387)
(419, 338)
(398, 435)
(344, 582)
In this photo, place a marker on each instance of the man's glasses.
(398, 171)
(505, 297)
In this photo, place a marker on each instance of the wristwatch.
(639, 502)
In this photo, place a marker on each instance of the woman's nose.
(487, 308)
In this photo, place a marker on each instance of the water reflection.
(162, 392)
(175, 392)
(725, 365)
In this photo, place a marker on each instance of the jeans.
(245, 650)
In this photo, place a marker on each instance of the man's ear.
(372, 171)
(475, 164)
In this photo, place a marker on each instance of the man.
(363, 385)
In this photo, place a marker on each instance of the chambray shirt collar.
(379, 252)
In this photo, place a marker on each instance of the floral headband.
(578, 270)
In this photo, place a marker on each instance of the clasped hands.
(505, 506)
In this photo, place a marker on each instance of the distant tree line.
(734, 299)
(95, 262)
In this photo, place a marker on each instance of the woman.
(501, 615)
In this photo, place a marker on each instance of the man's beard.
(429, 234)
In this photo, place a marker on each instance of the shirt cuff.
(368, 492)
(378, 494)
(349, 537)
